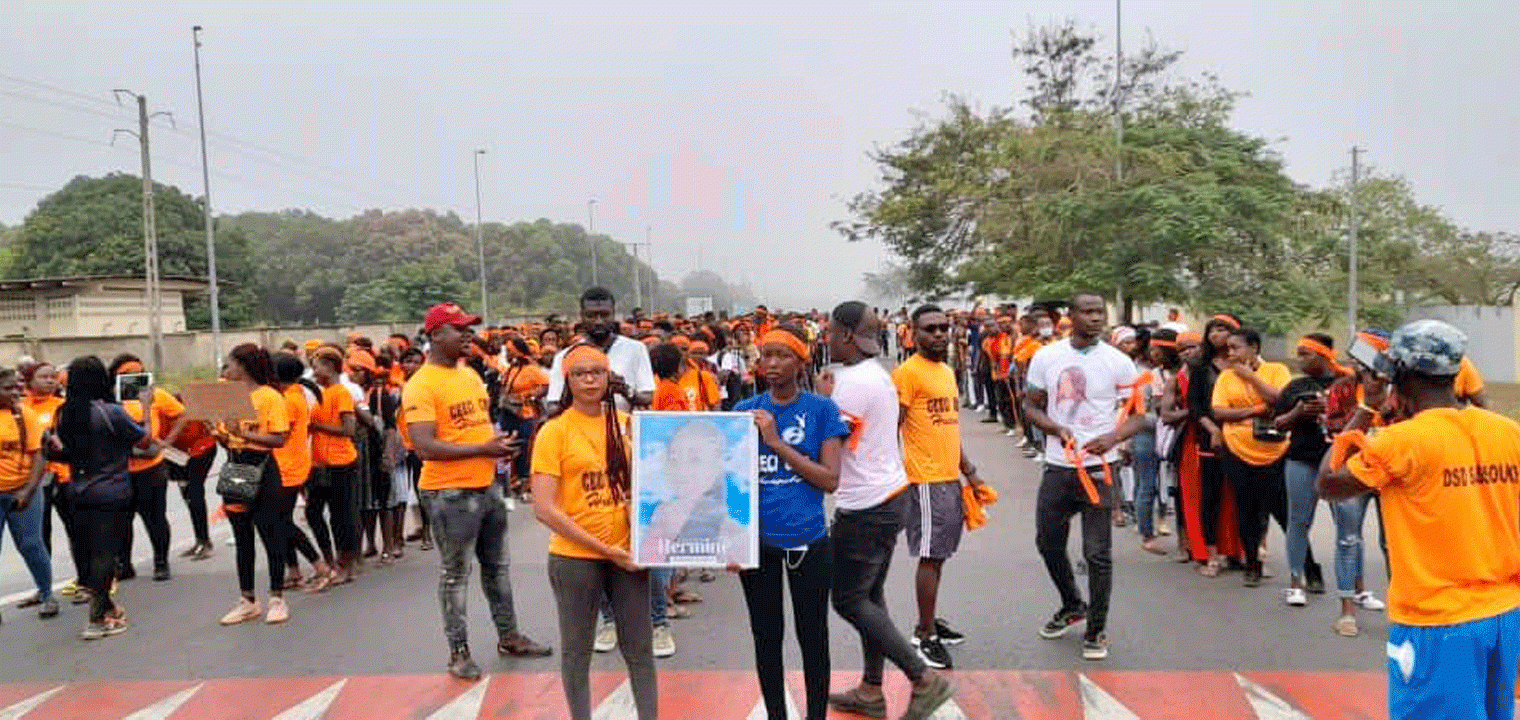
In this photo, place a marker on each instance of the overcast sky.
(740, 130)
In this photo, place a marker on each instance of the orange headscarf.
(1324, 351)
(585, 352)
(786, 339)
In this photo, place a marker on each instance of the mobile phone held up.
(130, 385)
(1364, 353)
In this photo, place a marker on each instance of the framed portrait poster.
(695, 489)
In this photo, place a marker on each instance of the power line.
(53, 133)
(64, 105)
(56, 89)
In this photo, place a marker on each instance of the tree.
(404, 293)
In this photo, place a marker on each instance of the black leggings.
(1211, 477)
(192, 488)
(264, 515)
(1259, 493)
(809, 573)
(150, 501)
(97, 533)
(334, 488)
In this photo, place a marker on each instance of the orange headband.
(784, 338)
(1320, 349)
(1189, 338)
(1163, 343)
(585, 352)
(1226, 319)
(681, 341)
(698, 346)
(129, 367)
(1381, 343)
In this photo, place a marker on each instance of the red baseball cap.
(448, 314)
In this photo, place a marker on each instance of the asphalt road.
(1182, 630)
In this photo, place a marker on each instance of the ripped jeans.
(467, 522)
(1349, 515)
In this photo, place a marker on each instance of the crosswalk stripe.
(1267, 705)
(618, 706)
(948, 711)
(162, 709)
(18, 710)
(314, 707)
(759, 713)
(466, 706)
(1097, 704)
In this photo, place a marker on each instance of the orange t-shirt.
(46, 408)
(455, 401)
(16, 456)
(333, 450)
(931, 430)
(526, 380)
(668, 396)
(1450, 485)
(270, 418)
(701, 389)
(196, 440)
(294, 457)
(166, 410)
(573, 449)
(1240, 436)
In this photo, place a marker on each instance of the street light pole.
(216, 305)
(591, 236)
(480, 244)
(1351, 272)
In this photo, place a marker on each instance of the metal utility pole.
(1119, 128)
(1352, 267)
(150, 233)
(638, 285)
(216, 306)
(480, 244)
(591, 236)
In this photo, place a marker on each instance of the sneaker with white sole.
(242, 612)
(278, 613)
(1368, 601)
(932, 652)
(1095, 648)
(606, 638)
(1295, 597)
(664, 642)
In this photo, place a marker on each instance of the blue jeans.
(1454, 672)
(26, 533)
(1349, 514)
(1303, 500)
(1147, 470)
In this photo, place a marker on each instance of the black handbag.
(1265, 430)
(239, 481)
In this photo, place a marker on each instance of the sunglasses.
(944, 327)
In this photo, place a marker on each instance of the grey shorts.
(933, 521)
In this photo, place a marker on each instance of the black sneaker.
(947, 635)
(1314, 579)
(932, 652)
(126, 572)
(1062, 622)
(1095, 648)
(1252, 579)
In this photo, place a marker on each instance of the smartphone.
(1363, 352)
(130, 385)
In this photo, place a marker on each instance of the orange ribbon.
(1324, 351)
(1074, 455)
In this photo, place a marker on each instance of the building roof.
(123, 282)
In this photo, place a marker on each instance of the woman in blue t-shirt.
(801, 437)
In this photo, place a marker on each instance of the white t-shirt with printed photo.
(1083, 392)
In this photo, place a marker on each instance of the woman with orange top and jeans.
(1244, 396)
(252, 442)
(581, 477)
(41, 381)
(335, 477)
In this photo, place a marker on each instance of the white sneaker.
(1295, 597)
(511, 503)
(1012, 433)
(1368, 601)
(606, 638)
(1023, 442)
(244, 611)
(664, 642)
(278, 613)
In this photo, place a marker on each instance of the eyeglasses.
(588, 373)
(945, 327)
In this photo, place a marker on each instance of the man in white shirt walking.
(870, 504)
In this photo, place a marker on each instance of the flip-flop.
(683, 597)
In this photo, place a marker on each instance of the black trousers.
(150, 501)
(264, 516)
(1211, 476)
(191, 479)
(1060, 497)
(863, 544)
(809, 573)
(98, 530)
(334, 489)
(1261, 495)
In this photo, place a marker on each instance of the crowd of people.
(1178, 433)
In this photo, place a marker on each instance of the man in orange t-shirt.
(448, 415)
(1449, 480)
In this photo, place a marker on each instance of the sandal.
(426, 545)
(1346, 626)
(677, 612)
(320, 583)
(683, 597)
(1210, 569)
(707, 576)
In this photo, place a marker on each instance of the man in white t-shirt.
(629, 358)
(1074, 390)
(870, 506)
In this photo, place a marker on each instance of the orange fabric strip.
(1075, 457)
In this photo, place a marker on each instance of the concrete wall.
(1491, 336)
(183, 351)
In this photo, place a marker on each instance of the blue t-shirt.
(791, 509)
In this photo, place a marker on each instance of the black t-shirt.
(1308, 443)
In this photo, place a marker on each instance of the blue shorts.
(1454, 672)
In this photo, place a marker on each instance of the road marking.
(18, 710)
(314, 707)
(618, 706)
(18, 596)
(1097, 704)
(466, 706)
(759, 713)
(1267, 705)
(162, 709)
(948, 711)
